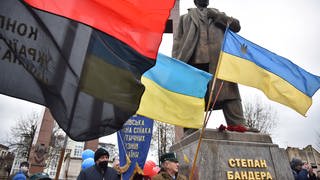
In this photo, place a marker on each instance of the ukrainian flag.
(244, 62)
(174, 93)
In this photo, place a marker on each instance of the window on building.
(77, 151)
(52, 173)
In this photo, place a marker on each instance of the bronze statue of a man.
(197, 41)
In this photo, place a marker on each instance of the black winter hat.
(100, 152)
(295, 162)
(168, 157)
(24, 163)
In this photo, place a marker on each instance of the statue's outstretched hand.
(222, 20)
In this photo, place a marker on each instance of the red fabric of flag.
(138, 23)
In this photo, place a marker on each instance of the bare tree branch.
(22, 134)
(163, 134)
(260, 116)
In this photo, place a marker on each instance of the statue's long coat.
(198, 40)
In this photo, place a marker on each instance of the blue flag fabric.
(244, 62)
(134, 140)
(174, 93)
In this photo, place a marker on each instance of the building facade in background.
(6, 161)
(71, 162)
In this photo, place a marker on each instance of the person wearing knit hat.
(100, 152)
(100, 170)
(300, 170)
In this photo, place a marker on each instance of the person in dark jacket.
(301, 171)
(100, 170)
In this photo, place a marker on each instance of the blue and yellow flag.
(174, 93)
(244, 62)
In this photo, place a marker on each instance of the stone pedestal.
(233, 155)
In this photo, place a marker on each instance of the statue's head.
(201, 3)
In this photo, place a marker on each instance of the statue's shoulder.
(186, 16)
(214, 10)
(191, 12)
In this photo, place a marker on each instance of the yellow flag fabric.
(174, 93)
(169, 107)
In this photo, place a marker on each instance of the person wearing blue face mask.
(100, 170)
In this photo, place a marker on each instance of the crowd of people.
(170, 169)
(100, 169)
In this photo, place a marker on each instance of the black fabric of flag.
(89, 80)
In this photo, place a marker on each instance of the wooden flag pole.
(63, 150)
(124, 168)
(206, 119)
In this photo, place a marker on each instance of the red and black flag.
(81, 59)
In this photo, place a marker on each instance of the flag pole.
(206, 118)
(124, 168)
(62, 152)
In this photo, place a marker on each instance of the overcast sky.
(286, 27)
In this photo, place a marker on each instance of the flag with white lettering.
(134, 141)
(81, 59)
